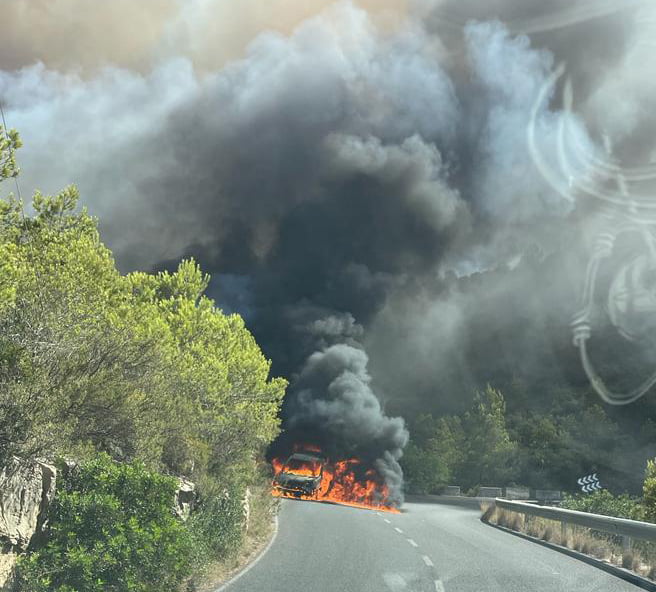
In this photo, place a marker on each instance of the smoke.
(76, 36)
(357, 177)
(333, 395)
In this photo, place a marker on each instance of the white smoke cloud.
(624, 98)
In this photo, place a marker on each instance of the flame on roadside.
(345, 482)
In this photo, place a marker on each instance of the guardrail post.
(627, 557)
(563, 534)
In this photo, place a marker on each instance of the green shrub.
(216, 526)
(605, 503)
(649, 491)
(112, 529)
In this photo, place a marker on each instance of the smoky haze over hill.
(356, 177)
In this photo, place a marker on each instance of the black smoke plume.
(358, 181)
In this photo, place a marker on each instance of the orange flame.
(343, 482)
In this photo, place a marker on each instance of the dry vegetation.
(641, 559)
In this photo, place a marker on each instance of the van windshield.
(303, 467)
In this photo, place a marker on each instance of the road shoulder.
(222, 574)
(619, 572)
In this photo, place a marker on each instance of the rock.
(246, 505)
(7, 565)
(26, 490)
(185, 499)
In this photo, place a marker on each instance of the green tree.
(82, 364)
(490, 456)
(434, 453)
(424, 469)
(9, 142)
(226, 406)
(142, 367)
(543, 449)
(139, 366)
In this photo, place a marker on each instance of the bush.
(216, 526)
(605, 503)
(649, 491)
(112, 529)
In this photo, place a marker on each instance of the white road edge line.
(439, 586)
(398, 530)
(254, 562)
(427, 560)
(412, 542)
(387, 521)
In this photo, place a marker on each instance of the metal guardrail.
(511, 492)
(490, 491)
(548, 495)
(627, 529)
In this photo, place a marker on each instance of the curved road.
(427, 548)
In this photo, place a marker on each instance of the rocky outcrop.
(185, 499)
(7, 567)
(26, 489)
(246, 508)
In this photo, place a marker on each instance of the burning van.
(300, 476)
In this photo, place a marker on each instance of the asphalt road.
(427, 548)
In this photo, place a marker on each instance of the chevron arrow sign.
(589, 483)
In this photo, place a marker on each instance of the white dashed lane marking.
(395, 582)
(439, 587)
